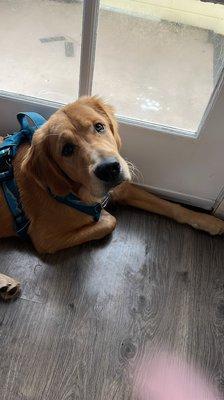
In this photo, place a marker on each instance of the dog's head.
(77, 150)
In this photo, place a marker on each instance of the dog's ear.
(39, 164)
(108, 111)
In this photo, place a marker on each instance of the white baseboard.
(206, 204)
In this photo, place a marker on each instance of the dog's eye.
(68, 149)
(99, 127)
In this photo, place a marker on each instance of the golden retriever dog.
(77, 151)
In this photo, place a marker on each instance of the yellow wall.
(189, 12)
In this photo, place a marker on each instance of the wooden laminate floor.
(88, 314)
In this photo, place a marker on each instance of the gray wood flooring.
(87, 314)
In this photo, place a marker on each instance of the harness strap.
(35, 118)
(12, 198)
(94, 210)
(8, 149)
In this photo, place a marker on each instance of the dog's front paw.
(209, 224)
(9, 287)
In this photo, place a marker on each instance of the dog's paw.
(9, 288)
(209, 224)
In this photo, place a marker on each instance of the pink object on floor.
(167, 377)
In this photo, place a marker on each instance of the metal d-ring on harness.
(8, 150)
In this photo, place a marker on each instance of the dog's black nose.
(108, 170)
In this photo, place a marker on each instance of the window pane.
(40, 48)
(158, 60)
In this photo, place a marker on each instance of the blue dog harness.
(8, 150)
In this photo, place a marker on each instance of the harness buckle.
(6, 170)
